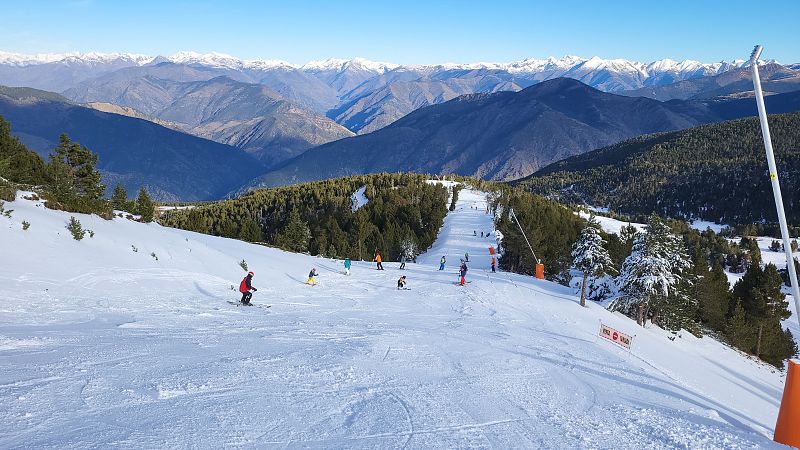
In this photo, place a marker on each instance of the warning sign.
(615, 336)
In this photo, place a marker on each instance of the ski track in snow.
(101, 346)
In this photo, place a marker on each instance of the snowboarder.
(347, 266)
(441, 263)
(245, 287)
(463, 272)
(494, 263)
(466, 256)
(474, 233)
(402, 262)
(311, 277)
(481, 233)
(378, 260)
(401, 282)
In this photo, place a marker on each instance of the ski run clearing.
(103, 345)
(359, 199)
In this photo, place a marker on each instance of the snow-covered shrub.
(3, 210)
(243, 265)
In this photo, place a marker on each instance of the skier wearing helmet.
(245, 287)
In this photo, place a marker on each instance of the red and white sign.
(615, 336)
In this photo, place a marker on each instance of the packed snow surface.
(610, 225)
(703, 225)
(104, 346)
(359, 199)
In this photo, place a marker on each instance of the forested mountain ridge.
(402, 216)
(508, 135)
(132, 152)
(713, 172)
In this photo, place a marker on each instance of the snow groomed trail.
(103, 346)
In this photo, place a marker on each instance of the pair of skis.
(249, 304)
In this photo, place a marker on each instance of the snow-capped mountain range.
(526, 66)
(277, 110)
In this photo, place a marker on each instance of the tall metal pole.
(773, 176)
(523, 235)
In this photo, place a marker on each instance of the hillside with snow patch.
(127, 339)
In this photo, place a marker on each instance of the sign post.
(616, 336)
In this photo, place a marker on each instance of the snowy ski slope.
(101, 346)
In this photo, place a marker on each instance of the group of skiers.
(246, 287)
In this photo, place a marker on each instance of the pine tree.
(196, 221)
(296, 235)
(590, 256)
(145, 207)
(785, 272)
(758, 294)
(652, 272)
(713, 295)
(627, 234)
(738, 330)
(75, 180)
(408, 248)
(777, 343)
(119, 200)
(601, 288)
(74, 227)
(753, 252)
(250, 232)
(17, 163)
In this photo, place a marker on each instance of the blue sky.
(408, 31)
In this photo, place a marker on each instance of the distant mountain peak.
(21, 60)
(222, 60)
(339, 64)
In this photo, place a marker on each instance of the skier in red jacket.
(245, 287)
